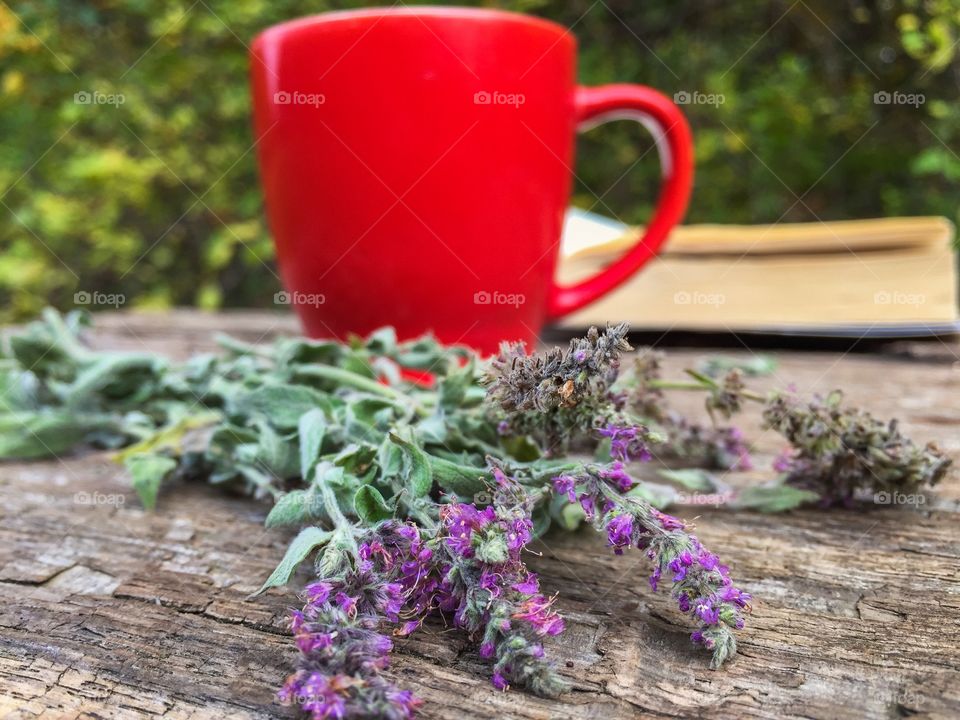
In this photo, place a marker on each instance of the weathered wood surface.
(111, 612)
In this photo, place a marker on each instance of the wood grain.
(108, 611)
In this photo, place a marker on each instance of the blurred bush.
(127, 164)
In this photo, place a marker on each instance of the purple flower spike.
(620, 533)
(565, 485)
(627, 442)
(318, 592)
(700, 584)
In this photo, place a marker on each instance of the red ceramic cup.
(417, 164)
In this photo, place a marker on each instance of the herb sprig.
(419, 474)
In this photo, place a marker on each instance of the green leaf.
(277, 453)
(18, 389)
(370, 506)
(541, 521)
(299, 351)
(756, 366)
(46, 433)
(169, 436)
(382, 341)
(147, 472)
(463, 480)
(358, 364)
(432, 430)
(660, 496)
(281, 405)
(389, 459)
(569, 515)
(310, 430)
(116, 377)
(295, 507)
(372, 410)
(691, 478)
(453, 388)
(356, 458)
(309, 539)
(772, 498)
(522, 448)
(417, 473)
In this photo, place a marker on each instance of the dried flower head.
(838, 451)
(726, 397)
(558, 394)
(711, 446)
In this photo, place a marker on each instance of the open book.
(889, 277)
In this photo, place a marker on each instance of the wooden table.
(108, 611)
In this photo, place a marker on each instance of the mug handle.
(596, 105)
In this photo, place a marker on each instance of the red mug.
(417, 165)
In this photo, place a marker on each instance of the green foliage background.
(158, 199)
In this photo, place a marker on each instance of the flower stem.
(344, 528)
(693, 385)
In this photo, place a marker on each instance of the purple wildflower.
(783, 462)
(627, 442)
(537, 610)
(701, 585)
(615, 472)
(620, 533)
(491, 593)
(565, 485)
(342, 651)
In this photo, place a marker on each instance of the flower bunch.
(377, 472)
(342, 653)
(491, 593)
(713, 446)
(838, 451)
(558, 395)
(701, 586)
(469, 566)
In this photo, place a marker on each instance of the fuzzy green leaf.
(310, 429)
(463, 480)
(309, 539)
(46, 433)
(147, 472)
(281, 405)
(370, 506)
(417, 473)
(522, 448)
(691, 478)
(773, 498)
(295, 508)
